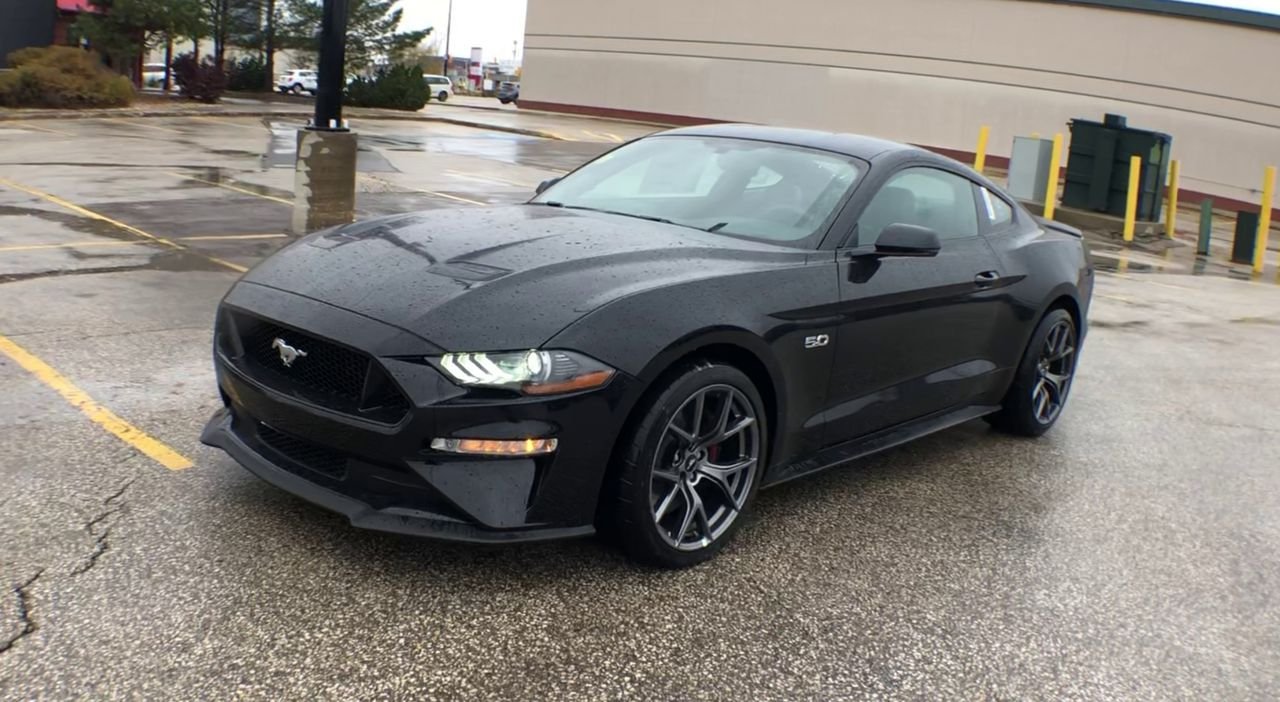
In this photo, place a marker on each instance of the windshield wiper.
(651, 218)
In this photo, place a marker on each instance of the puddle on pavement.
(167, 260)
(70, 220)
(1175, 258)
(282, 147)
(213, 174)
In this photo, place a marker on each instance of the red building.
(68, 11)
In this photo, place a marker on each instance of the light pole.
(448, 24)
(329, 82)
(324, 173)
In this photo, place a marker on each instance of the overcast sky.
(1272, 6)
(489, 24)
(494, 24)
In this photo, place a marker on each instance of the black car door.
(915, 332)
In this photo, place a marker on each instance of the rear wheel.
(690, 467)
(442, 96)
(1043, 380)
(296, 89)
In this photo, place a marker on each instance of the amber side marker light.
(496, 447)
(585, 381)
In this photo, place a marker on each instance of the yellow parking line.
(69, 245)
(105, 418)
(487, 179)
(218, 120)
(229, 237)
(131, 229)
(604, 135)
(137, 122)
(421, 190)
(59, 132)
(1114, 297)
(99, 243)
(228, 186)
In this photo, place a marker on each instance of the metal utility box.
(1098, 167)
(1246, 238)
(1029, 168)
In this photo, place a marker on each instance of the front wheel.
(690, 467)
(1043, 380)
(296, 89)
(443, 96)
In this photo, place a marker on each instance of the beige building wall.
(929, 72)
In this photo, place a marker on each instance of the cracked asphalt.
(1132, 553)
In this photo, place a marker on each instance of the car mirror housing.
(907, 240)
(545, 184)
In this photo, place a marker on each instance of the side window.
(998, 212)
(925, 197)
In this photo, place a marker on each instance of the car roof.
(855, 145)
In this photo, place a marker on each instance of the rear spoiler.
(1059, 227)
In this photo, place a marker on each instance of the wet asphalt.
(1132, 553)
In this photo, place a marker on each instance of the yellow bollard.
(1131, 201)
(1264, 219)
(1130, 208)
(1051, 190)
(1171, 215)
(980, 156)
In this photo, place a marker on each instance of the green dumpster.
(1098, 167)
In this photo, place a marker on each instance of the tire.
(505, 102)
(663, 476)
(1041, 385)
(443, 96)
(296, 89)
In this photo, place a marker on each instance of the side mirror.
(545, 184)
(907, 240)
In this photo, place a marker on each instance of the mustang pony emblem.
(288, 354)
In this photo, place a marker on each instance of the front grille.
(307, 454)
(379, 485)
(323, 372)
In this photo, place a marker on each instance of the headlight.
(529, 372)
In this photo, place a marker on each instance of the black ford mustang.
(650, 340)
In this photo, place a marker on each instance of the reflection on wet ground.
(496, 146)
(282, 147)
(1175, 257)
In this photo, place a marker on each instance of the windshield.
(772, 192)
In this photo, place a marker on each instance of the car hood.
(501, 278)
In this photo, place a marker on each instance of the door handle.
(986, 278)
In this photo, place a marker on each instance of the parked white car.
(153, 75)
(297, 81)
(439, 87)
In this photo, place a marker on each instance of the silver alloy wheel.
(705, 465)
(1054, 369)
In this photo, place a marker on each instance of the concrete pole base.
(324, 181)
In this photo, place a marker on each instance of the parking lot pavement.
(1129, 554)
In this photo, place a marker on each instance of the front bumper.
(400, 520)
(383, 475)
